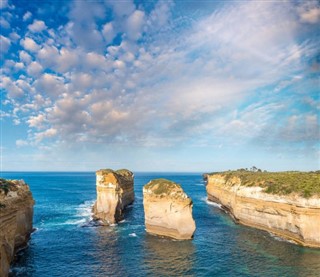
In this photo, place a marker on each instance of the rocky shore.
(16, 215)
(291, 216)
(168, 210)
(114, 193)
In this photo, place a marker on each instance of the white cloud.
(3, 4)
(14, 36)
(21, 143)
(83, 28)
(34, 69)
(45, 134)
(37, 121)
(29, 44)
(11, 87)
(25, 57)
(27, 16)
(108, 32)
(37, 26)
(4, 44)
(50, 85)
(309, 12)
(4, 23)
(134, 24)
(121, 8)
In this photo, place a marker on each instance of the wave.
(274, 236)
(211, 203)
(85, 209)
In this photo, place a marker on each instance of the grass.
(305, 184)
(162, 186)
(123, 172)
(6, 185)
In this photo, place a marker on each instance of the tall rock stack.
(168, 210)
(114, 193)
(16, 215)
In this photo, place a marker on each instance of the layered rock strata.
(290, 216)
(168, 210)
(114, 193)
(16, 214)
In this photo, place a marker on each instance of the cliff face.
(16, 214)
(168, 210)
(290, 216)
(114, 193)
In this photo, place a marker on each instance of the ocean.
(67, 243)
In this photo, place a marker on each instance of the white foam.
(85, 210)
(74, 221)
(133, 235)
(211, 203)
(281, 239)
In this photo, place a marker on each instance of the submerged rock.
(168, 210)
(114, 193)
(16, 215)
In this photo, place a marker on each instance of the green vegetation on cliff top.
(123, 172)
(162, 186)
(6, 185)
(306, 184)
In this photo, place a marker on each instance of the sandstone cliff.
(168, 210)
(114, 193)
(16, 214)
(291, 216)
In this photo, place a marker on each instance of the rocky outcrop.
(290, 216)
(16, 214)
(114, 193)
(168, 210)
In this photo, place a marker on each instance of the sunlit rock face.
(168, 210)
(16, 216)
(114, 193)
(290, 216)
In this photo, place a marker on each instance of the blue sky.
(160, 85)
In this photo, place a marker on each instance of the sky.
(187, 86)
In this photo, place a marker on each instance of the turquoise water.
(67, 244)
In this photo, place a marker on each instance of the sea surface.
(66, 243)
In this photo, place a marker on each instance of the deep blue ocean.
(66, 244)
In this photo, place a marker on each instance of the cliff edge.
(269, 203)
(114, 193)
(168, 210)
(16, 214)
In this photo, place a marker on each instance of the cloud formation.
(117, 73)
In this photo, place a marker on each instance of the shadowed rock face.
(114, 193)
(16, 214)
(168, 210)
(289, 216)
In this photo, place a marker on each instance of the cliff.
(16, 214)
(168, 210)
(290, 215)
(114, 193)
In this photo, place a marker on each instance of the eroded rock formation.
(114, 193)
(168, 210)
(16, 214)
(290, 216)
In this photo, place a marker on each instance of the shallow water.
(67, 244)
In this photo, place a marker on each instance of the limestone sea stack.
(168, 210)
(16, 214)
(252, 199)
(114, 193)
